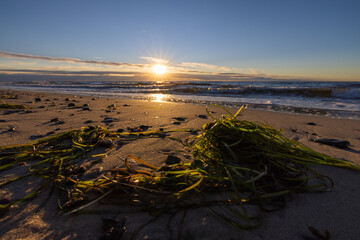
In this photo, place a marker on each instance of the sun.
(159, 69)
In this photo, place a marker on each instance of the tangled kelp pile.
(244, 163)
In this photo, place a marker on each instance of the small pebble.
(108, 120)
(35, 136)
(82, 169)
(5, 200)
(37, 99)
(171, 159)
(311, 123)
(333, 142)
(86, 109)
(54, 119)
(59, 122)
(106, 142)
(71, 105)
(67, 99)
(88, 121)
(202, 116)
(144, 127)
(180, 119)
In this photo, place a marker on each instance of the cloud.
(203, 66)
(67, 60)
(255, 71)
(155, 60)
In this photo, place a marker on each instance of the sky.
(307, 39)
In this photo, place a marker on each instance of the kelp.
(240, 169)
(13, 106)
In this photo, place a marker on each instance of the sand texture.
(336, 211)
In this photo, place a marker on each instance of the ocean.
(333, 99)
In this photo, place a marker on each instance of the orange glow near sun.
(159, 69)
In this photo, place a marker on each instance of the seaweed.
(12, 106)
(240, 170)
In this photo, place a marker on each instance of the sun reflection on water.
(158, 97)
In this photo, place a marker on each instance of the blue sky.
(297, 39)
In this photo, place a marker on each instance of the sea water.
(334, 99)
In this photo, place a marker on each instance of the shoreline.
(333, 211)
(313, 111)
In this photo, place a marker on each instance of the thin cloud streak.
(68, 60)
(203, 65)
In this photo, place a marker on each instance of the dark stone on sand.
(333, 142)
(180, 119)
(85, 105)
(54, 119)
(5, 200)
(7, 112)
(67, 99)
(193, 132)
(42, 107)
(114, 229)
(311, 123)
(202, 116)
(107, 111)
(59, 122)
(171, 159)
(176, 123)
(2, 120)
(89, 128)
(161, 129)
(86, 109)
(144, 127)
(82, 169)
(106, 142)
(35, 136)
(88, 121)
(37, 99)
(112, 106)
(11, 129)
(120, 130)
(71, 105)
(108, 120)
(51, 132)
(126, 105)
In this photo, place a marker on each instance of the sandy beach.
(336, 211)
